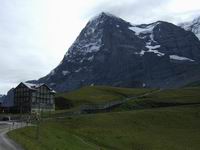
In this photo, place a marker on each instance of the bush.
(63, 103)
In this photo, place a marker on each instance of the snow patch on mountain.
(152, 47)
(65, 72)
(154, 50)
(78, 70)
(139, 30)
(146, 32)
(89, 43)
(143, 29)
(84, 46)
(91, 58)
(193, 26)
(180, 58)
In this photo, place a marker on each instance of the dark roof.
(33, 86)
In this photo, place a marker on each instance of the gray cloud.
(142, 11)
(20, 58)
(136, 11)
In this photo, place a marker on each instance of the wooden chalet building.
(29, 98)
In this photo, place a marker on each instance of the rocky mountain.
(8, 99)
(111, 51)
(193, 26)
(1, 97)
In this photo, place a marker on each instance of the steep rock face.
(193, 26)
(8, 100)
(111, 51)
(1, 98)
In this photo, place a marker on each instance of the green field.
(100, 94)
(171, 97)
(193, 84)
(136, 125)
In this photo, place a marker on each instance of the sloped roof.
(34, 86)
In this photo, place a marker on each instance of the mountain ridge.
(112, 51)
(193, 26)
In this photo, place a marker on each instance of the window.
(51, 100)
(33, 99)
(33, 94)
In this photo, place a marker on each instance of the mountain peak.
(112, 51)
(104, 16)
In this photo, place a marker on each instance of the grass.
(174, 128)
(171, 97)
(184, 95)
(157, 128)
(100, 94)
(194, 84)
(94, 95)
(52, 137)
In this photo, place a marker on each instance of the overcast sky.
(35, 34)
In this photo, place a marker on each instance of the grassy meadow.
(139, 124)
(99, 94)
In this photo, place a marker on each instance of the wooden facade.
(33, 98)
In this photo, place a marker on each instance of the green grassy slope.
(164, 128)
(172, 128)
(194, 84)
(100, 94)
(164, 98)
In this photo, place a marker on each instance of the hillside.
(139, 124)
(165, 98)
(99, 95)
(194, 84)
